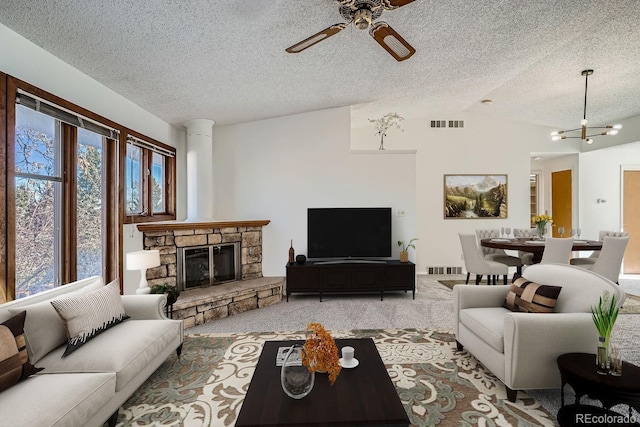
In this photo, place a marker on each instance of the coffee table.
(579, 371)
(360, 396)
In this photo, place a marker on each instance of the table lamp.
(141, 260)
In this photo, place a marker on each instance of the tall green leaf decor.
(604, 317)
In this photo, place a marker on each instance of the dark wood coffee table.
(360, 396)
(579, 371)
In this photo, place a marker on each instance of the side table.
(579, 371)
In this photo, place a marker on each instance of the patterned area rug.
(631, 303)
(437, 384)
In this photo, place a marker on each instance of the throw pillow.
(88, 315)
(44, 330)
(531, 297)
(14, 360)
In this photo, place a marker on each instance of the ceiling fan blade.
(389, 39)
(316, 38)
(394, 4)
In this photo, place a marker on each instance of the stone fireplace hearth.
(202, 304)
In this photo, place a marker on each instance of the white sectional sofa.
(88, 386)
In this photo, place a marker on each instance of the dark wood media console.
(322, 277)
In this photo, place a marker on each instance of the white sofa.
(87, 387)
(521, 348)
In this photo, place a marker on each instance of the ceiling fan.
(362, 13)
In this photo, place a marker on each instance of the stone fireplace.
(240, 285)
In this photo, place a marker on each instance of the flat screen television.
(348, 232)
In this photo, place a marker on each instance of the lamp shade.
(141, 260)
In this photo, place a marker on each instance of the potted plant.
(171, 291)
(404, 249)
(320, 352)
(604, 317)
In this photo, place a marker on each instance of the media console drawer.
(332, 278)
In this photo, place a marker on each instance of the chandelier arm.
(586, 79)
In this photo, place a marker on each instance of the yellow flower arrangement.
(320, 352)
(541, 219)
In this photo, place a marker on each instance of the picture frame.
(475, 196)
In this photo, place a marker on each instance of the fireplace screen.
(208, 265)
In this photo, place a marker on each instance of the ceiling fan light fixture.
(396, 45)
(612, 129)
(362, 18)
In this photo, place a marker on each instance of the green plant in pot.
(404, 249)
(604, 317)
(171, 291)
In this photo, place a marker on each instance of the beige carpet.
(437, 384)
(631, 304)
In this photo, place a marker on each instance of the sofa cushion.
(487, 323)
(44, 330)
(14, 359)
(530, 297)
(125, 349)
(87, 315)
(56, 399)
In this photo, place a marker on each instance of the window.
(149, 176)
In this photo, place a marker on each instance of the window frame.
(147, 214)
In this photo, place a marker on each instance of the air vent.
(447, 123)
(444, 270)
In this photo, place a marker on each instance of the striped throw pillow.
(90, 314)
(531, 297)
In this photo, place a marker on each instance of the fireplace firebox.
(207, 265)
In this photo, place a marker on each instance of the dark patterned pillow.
(531, 297)
(88, 315)
(14, 361)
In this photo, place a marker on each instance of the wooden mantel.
(184, 225)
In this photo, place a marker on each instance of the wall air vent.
(447, 123)
(444, 270)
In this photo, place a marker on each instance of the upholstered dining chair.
(556, 250)
(498, 255)
(476, 264)
(610, 259)
(525, 233)
(591, 259)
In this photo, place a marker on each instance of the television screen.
(348, 232)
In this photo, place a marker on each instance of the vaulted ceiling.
(225, 59)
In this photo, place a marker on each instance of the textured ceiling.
(225, 59)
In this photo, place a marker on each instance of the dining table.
(536, 246)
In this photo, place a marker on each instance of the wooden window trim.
(5, 294)
(169, 183)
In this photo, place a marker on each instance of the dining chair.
(610, 259)
(498, 255)
(556, 250)
(525, 233)
(475, 263)
(591, 259)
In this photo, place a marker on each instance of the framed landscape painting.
(475, 196)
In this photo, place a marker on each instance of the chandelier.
(584, 130)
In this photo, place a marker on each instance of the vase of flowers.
(604, 317)
(320, 352)
(384, 123)
(540, 223)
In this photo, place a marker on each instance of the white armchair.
(521, 348)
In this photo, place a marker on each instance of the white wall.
(275, 169)
(22, 59)
(600, 178)
(484, 146)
